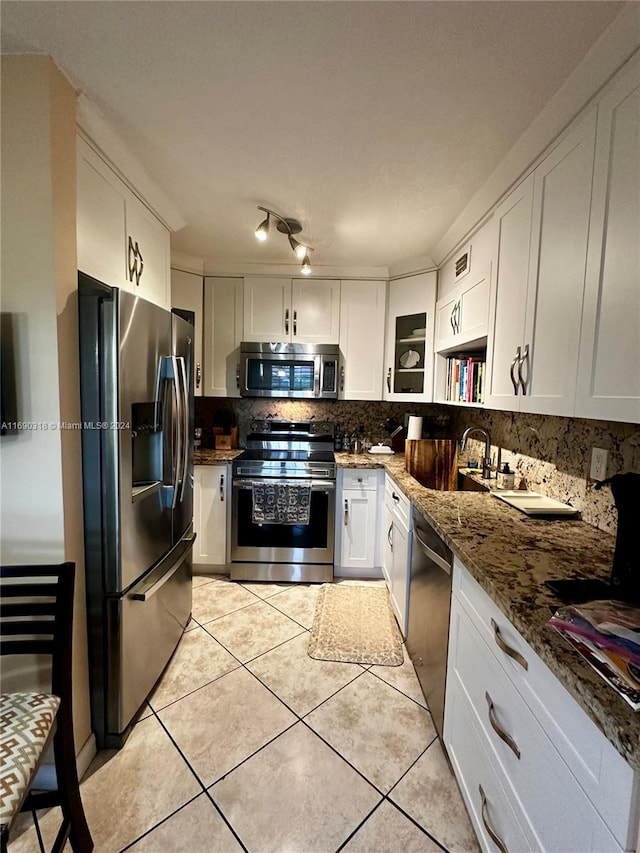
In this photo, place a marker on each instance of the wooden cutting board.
(433, 462)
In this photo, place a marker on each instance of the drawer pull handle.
(346, 513)
(492, 833)
(222, 487)
(495, 725)
(507, 649)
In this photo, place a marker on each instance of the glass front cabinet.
(409, 343)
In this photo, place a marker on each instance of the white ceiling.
(371, 122)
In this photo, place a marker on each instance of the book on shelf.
(464, 378)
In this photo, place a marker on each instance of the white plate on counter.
(533, 503)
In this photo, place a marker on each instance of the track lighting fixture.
(288, 227)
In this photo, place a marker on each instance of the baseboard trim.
(86, 755)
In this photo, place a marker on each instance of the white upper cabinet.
(100, 219)
(291, 310)
(223, 313)
(187, 293)
(409, 339)
(537, 289)
(462, 315)
(609, 375)
(119, 240)
(362, 314)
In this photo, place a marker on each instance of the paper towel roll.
(414, 431)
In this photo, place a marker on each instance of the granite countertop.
(511, 554)
(207, 456)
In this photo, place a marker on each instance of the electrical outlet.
(598, 464)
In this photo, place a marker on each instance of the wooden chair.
(36, 618)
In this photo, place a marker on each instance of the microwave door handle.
(317, 368)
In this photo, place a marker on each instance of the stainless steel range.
(283, 503)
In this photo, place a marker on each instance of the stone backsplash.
(549, 454)
(365, 418)
(552, 455)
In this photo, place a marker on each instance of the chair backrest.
(36, 617)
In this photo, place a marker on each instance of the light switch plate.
(598, 464)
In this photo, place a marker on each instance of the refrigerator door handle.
(147, 588)
(177, 424)
(184, 462)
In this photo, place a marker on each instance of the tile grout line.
(302, 719)
(198, 779)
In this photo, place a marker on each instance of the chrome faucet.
(486, 461)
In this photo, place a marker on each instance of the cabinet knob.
(237, 375)
(389, 379)
(198, 375)
(286, 321)
(295, 323)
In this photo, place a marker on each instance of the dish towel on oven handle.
(280, 502)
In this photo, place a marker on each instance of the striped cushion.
(26, 720)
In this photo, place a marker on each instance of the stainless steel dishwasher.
(429, 606)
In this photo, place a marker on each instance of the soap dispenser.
(505, 478)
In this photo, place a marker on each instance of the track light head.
(288, 227)
(262, 230)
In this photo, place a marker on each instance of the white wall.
(40, 469)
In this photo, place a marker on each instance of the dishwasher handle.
(428, 552)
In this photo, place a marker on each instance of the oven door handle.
(316, 485)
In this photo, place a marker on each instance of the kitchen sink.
(470, 484)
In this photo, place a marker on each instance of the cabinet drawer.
(481, 783)
(397, 501)
(601, 771)
(363, 479)
(559, 814)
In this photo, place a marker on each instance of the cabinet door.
(362, 310)
(409, 339)
(210, 514)
(223, 312)
(512, 221)
(561, 200)
(100, 219)
(315, 311)
(400, 574)
(609, 377)
(187, 293)
(358, 529)
(267, 309)
(148, 254)
(462, 316)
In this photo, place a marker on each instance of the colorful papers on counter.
(607, 635)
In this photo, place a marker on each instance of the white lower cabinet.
(397, 550)
(356, 522)
(551, 780)
(210, 514)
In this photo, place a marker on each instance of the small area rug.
(355, 624)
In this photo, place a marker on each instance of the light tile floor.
(249, 744)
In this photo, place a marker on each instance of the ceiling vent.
(463, 263)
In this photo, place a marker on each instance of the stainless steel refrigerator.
(137, 454)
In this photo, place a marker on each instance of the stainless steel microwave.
(289, 370)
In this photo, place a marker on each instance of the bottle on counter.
(505, 478)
